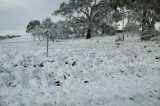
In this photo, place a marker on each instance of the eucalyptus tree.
(77, 25)
(90, 9)
(37, 32)
(148, 13)
(47, 30)
(33, 27)
(32, 24)
(63, 29)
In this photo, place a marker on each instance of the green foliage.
(64, 10)
(88, 11)
(121, 3)
(32, 25)
(150, 35)
(147, 12)
(117, 16)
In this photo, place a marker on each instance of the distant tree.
(47, 30)
(90, 9)
(32, 28)
(32, 25)
(63, 30)
(77, 26)
(147, 12)
(37, 32)
(108, 29)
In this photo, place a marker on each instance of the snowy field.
(95, 72)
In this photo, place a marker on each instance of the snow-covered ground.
(95, 72)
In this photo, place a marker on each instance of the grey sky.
(15, 14)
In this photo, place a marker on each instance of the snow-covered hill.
(95, 72)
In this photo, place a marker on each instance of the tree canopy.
(32, 25)
(91, 10)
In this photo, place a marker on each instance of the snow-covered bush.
(9, 37)
(150, 35)
(110, 30)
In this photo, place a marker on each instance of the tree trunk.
(102, 33)
(152, 23)
(144, 23)
(47, 45)
(88, 36)
(123, 30)
(134, 29)
(34, 38)
(102, 28)
(123, 25)
(39, 38)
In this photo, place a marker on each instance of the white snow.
(80, 72)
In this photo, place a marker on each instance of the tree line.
(87, 18)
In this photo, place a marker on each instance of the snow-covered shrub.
(150, 35)
(110, 30)
(9, 37)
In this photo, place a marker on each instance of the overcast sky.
(15, 14)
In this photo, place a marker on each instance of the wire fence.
(16, 42)
(65, 46)
(59, 48)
